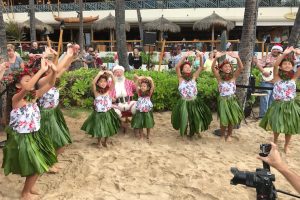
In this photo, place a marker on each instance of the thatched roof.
(213, 20)
(39, 25)
(163, 25)
(108, 22)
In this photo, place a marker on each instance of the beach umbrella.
(213, 22)
(109, 22)
(39, 25)
(162, 25)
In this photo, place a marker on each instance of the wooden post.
(262, 49)
(161, 54)
(59, 45)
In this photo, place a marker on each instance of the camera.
(262, 179)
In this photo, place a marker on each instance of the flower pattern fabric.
(284, 90)
(144, 104)
(25, 119)
(227, 88)
(188, 89)
(50, 99)
(102, 103)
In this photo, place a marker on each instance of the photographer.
(274, 160)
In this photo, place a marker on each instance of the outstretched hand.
(288, 50)
(273, 159)
(232, 54)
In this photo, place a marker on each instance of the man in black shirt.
(135, 60)
(35, 49)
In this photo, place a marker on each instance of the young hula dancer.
(143, 118)
(104, 122)
(190, 110)
(52, 119)
(23, 153)
(229, 110)
(283, 116)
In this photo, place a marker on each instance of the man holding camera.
(274, 160)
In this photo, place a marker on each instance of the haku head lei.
(286, 75)
(100, 89)
(186, 76)
(225, 76)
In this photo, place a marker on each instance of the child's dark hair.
(225, 76)
(287, 60)
(104, 76)
(148, 83)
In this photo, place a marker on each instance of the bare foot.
(27, 196)
(285, 149)
(34, 191)
(228, 139)
(104, 144)
(149, 141)
(53, 170)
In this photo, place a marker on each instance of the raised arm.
(45, 88)
(2, 69)
(112, 85)
(215, 70)
(95, 82)
(201, 67)
(65, 63)
(286, 52)
(239, 64)
(152, 85)
(178, 65)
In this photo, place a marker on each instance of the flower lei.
(286, 75)
(187, 76)
(31, 95)
(226, 76)
(102, 90)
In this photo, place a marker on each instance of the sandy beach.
(171, 168)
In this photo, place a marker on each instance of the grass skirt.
(192, 113)
(282, 117)
(229, 111)
(102, 124)
(22, 154)
(53, 122)
(142, 120)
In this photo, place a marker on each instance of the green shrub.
(76, 88)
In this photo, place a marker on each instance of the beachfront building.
(275, 17)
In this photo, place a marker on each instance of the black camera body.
(262, 179)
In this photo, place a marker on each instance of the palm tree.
(81, 24)
(138, 11)
(121, 34)
(294, 36)
(32, 21)
(2, 35)
(247, 45)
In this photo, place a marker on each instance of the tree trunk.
(138, 11)
(294, 36)
(81, 25)
(247, 45)
(4, 112)
(121, 34)
(32, 21)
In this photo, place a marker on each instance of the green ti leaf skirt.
(102, 124)
(191, 113)
(23, 154)
(142, 120)
(282, 117)
(229, 111)
(53, 122)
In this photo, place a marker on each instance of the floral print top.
(25, 119)
(50, 99)
(188, 89)
(227, 88)
(284, 90)
(144, 104)
(102, 103)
